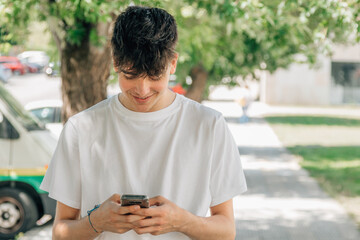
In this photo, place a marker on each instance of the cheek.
(125, 85)
(160, 86)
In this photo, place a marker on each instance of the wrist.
(187, 223)
(93, 220)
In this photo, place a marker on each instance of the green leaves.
(229, 38)
(246, 34)
(74, 19)
(76, 33)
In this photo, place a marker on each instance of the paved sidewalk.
(283, 202)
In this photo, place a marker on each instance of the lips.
(142, 99)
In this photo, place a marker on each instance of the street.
(38, 86)
(34, 87)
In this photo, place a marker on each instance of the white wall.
(302, 85)
(299, 84)
(344, 53)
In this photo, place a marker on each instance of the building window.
(346, 74)
(346, 77)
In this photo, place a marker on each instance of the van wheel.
(18, 212)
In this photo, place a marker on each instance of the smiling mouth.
(142, 99)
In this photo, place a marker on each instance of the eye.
(156, 78)
(129, 76)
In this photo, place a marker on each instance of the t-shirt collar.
(147, 116)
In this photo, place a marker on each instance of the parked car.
(48, 112)
(176, 87)
(14, 64)
(38, 58)
(31, 67)
(5, 73)
(26, 147)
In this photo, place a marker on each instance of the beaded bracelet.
(89, 212)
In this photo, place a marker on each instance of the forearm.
(73, 229)
(209, 228)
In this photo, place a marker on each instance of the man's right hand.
(112, 217)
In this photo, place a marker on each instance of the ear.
(173, 63)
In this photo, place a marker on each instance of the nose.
(143, 86)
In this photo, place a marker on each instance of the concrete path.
(283, 202)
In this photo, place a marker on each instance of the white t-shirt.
(184, 152)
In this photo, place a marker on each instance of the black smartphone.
(131, 199)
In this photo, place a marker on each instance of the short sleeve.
(62, 179)
(227, 176)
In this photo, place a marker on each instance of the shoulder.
(93, 114)
(198, 111)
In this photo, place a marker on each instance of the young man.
(147, 140)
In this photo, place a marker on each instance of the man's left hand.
(164, 217)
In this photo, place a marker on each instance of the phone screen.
(131, 199)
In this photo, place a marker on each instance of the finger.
(115, 198)
(148, 222)
(148, 212)
(130, 218)
(128, 209)
(154, 230)
(157, 201)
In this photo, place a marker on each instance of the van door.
(7, 135)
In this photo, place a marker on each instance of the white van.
(26, 148)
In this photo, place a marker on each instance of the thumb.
(115, 198)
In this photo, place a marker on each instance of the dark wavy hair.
(143, 41)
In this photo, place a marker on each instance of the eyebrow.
(134, 75)
(129, 73)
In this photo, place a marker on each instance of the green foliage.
(336, 168)
(11, 34)
(229, 38)
(74, 20)
(335, 163)
(232, 38)
(314, 120)
(6, 40)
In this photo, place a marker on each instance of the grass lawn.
(329, 148)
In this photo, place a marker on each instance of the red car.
(176, 87)
(14, 64)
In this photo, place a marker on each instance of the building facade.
(333, 81)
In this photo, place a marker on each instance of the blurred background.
(285, 74)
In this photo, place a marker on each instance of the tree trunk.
(84, 72)
(199, 77)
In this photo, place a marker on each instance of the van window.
(45, 114)
(17, 110)
(7, 131)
